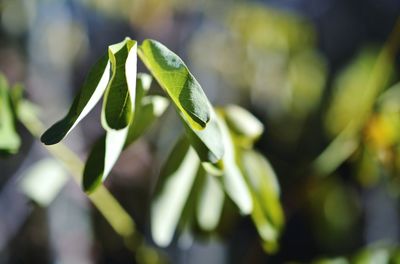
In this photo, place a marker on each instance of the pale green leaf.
(43, 181)
(91, 92)
(9, 139)
(337, 152)
(172, 192)
(232, 178)
(246, 127)
(174, 77)
(210, 203)
(267, 214)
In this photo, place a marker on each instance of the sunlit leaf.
(267, 213)
(119, 98)
(91, 92)
(243, 124)
(174, 77)
(210, 203)
(233, 180)
(207, 142)
(9, 139)
(172, 191)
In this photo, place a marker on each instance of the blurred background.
(320, 74)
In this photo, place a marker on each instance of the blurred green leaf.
(210, 203)
(172, 191)
(119, 98)
(263, 184)
(43, 181)
(174, 77)
(232, 178)
(9, 139)
(338, 151)
(91, 92)
(246, 127)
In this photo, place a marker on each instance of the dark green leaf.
(119, 98)
(86, 99)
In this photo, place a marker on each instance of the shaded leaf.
(174, 77)
(172, 192)
(152, 107)
(119, 98)
(94, 166)
(91, 92)
(9, 139)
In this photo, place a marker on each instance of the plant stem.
(103, 200)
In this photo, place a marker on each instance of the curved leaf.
(91, 92)
(208, 142)
(9, 139)
(246, 127)
(119, 99)
(174, 77)
(267, 214)
(103, 156)
(172, 192)
(233, 180)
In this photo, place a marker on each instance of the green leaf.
(172, 191)
(94, 166)
(119, 98)
(152, 108)
(208, 142)
(174, 77)
(267, 214)
(117, 114)
(232, 178)
(86, 99)
(337, 152)
(210, 203)
(9, 139)
(246, 127)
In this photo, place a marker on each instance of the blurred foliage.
(268, 61)
(285, 75)
(9, 138)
